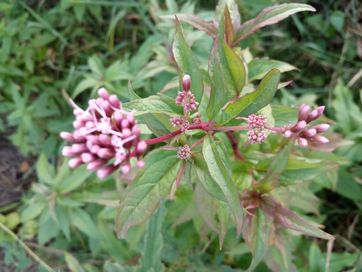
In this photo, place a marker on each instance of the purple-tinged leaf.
(258, 236)
(233, 8)
(290, 220)
(229, 30)
(195, 21)
(269, 16)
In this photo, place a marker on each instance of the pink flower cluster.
(184, 152)
(180, 122)
(256, 136)
(105, 137)
(303, 132)
(186, 98)
(256, 121)
(256, 124)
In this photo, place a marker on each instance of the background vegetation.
(76, 46)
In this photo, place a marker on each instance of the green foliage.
(212, 211)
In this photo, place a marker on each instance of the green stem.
(26, 248)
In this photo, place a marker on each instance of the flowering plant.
(219, 138)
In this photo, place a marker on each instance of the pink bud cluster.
(105, 137)
(186, 98)
(256, 136)
(256, 121)
(256, 124)
(184, 152)
(180, 122)
(303, 132)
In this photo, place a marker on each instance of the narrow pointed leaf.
(258, 68)
(229, 30)
(150, 187)
(195, 21)
(187, 61)
(259, 237)
(269, 16)
(256, 100)
(153, 243)
(222, 177)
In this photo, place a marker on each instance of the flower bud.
(102, 92)
(140, 164)
(310, 133)
(314, 114)
(288, 134)
(321, 127)
(320, 139)
(75, 162)
(299, 126)
(105, 171)
(186, 82)
(303, 112)
(67, 136)
(302, 142)
(95, 165)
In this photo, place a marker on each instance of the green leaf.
(45, 170)
(73, 263)
(96, 65)
(83, 221)
(223, 214)
(269, 16)
(258, 68)
(187, 62)
(153, 244)
(150, 187)
(74, 181)
(259, 237)
(276, 168)
(223, 178)
(233, 67)
(195, 21)
(32, 210)
(205, 179)
(256, 100)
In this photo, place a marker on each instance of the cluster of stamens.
(105, 137)
(186, 99)
(305, 133)
(256, 125)
(184, 152)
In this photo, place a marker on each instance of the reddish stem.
(234, 145)
(202, 126)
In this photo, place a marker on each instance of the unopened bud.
(320, 139)
(126, 168)
(321, 127)
(140, 164)
(314, 114)
(299, 126)
(310, 132)
(303, 112)
(302, 142)
(102, 92)
(75, 162)
(186, 82)
(288, 134)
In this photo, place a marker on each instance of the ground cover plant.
(206, 155)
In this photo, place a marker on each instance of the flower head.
(105, 137)
(184, 152)
(303, 132)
